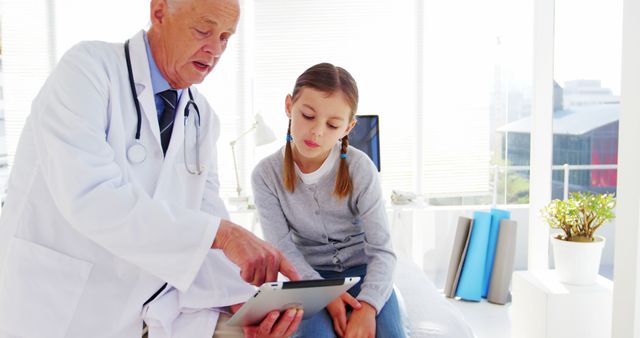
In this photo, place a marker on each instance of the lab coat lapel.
(142, 78)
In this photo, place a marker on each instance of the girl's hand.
(338, 312)
(271, 327)
(362, 323)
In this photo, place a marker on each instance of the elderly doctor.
(110, 203)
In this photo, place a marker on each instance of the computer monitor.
(366, 137)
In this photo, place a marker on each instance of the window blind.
(28, 56)
(373, 40)
(418, 66)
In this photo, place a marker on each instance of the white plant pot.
(577, 263)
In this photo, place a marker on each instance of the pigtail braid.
(344, 186)
(288, 169)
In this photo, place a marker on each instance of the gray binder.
(503, 263)
(458, 252)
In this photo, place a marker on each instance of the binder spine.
(503, 263)
(458, 252)
(496, 216)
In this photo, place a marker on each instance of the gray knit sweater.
(315, 230)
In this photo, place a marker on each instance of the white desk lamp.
(263, 135)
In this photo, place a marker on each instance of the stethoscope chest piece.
(136, 153)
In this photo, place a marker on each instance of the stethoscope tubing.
(138, 150)
(133, 90)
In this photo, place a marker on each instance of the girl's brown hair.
(329, 79)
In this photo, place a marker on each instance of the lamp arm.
(233, 153)
(255, 124)
(235, 167)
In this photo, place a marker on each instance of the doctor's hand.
(259, 262)
(338, 312)
(271, 327)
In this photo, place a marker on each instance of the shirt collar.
(158, 82)
(328, 164)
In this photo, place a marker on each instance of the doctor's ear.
(159, 10)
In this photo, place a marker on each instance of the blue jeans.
(388, 321)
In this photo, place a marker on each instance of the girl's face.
(318, 121)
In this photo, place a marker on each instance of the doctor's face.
(187, 37)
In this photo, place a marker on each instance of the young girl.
(320, 202)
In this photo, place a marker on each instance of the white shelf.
(543, 307)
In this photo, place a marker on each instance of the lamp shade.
(263, 134)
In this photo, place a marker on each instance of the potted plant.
(576, 250)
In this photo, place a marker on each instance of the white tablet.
(310, 295)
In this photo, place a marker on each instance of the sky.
(589, 41)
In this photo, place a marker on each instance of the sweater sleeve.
(273, 221)
(378, 283)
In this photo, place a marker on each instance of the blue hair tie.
(289, 138)
(343, 155)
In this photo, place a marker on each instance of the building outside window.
(586, 100)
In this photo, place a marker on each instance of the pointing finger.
(287, 269)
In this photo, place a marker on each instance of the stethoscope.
(137, 153)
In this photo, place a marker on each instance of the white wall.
(626, 298)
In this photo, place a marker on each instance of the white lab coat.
(85, 236)
(193, 313)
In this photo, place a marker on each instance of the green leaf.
(580, 215)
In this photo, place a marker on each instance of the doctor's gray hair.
(175, 4)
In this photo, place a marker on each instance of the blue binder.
(496, 216)
(472, 275)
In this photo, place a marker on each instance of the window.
(4, 168)
(442, 90)
(452, 87)
(25, 62)
(587, 102)
(376, 41)
(476, 82)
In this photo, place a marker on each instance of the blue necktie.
(170, 98)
